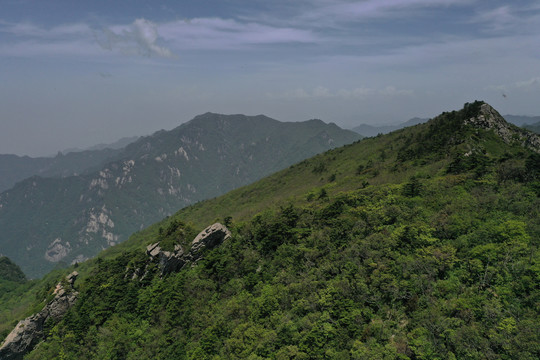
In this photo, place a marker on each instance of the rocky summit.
(489, 118)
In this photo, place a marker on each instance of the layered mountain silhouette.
(46, 220)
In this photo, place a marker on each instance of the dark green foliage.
(319, 168)
(412, 188)
(176, 233)
(532, 167)
(10, 271)
(442, 132)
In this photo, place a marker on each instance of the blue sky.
(77, 73)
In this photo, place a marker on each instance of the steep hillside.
(420, 244)
(47, 220)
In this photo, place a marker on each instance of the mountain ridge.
(71, 218)
(422, 243)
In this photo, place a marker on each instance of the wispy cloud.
(27, 39)
(332, 13)
(26, 30)
(509, 18)
(533, 82)
(141, 38)
(146, 38)
(217, 33)
(360, 93)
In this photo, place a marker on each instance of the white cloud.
(138, 39)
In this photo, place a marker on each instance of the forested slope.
(419, 244)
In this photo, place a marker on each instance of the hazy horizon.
(76, 74)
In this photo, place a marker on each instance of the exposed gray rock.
(169, 261)
(210, 237)
(489, 118)
(172, 261)
(29, 332)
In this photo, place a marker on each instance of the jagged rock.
(29, 332)
(169, 261)
(172, 261)
(489, 118)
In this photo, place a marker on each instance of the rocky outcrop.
(489, 118)
(169, 261)
(172, 261)
(208, 238)
(30, 331)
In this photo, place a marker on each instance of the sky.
(79, 73)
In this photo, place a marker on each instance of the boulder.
(210, 237)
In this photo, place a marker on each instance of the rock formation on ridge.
(29, 332)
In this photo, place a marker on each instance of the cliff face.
(29, 332)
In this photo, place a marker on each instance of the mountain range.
(45, 220)
(418, 244)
